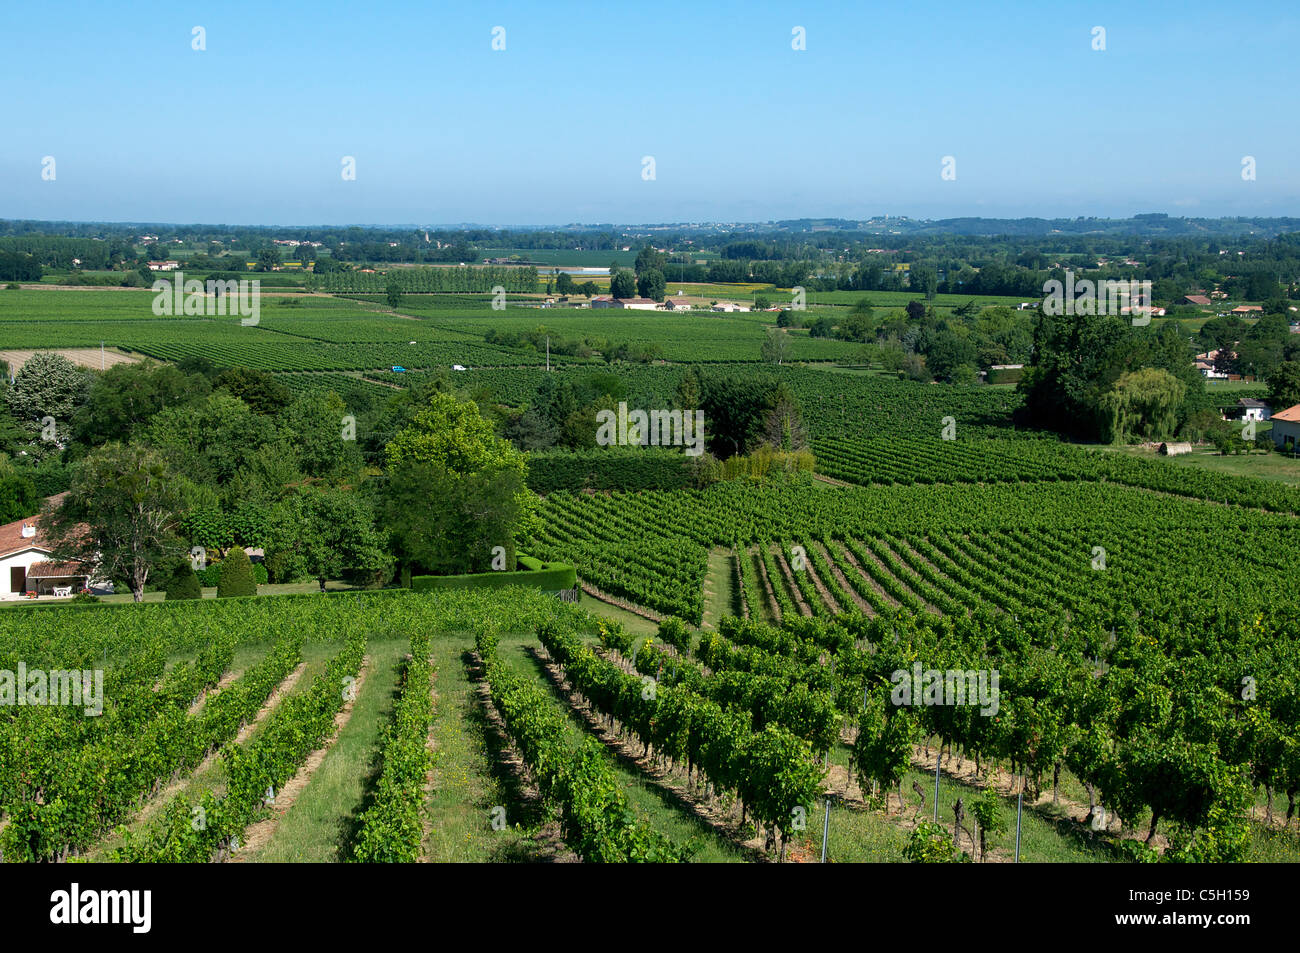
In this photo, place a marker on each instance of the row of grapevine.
(390, 829)
(594, 816)
(773, 771)
(255, 771)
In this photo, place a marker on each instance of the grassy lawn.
(319, 827)
(469, 777)
(635, 624)
(1265, 466)
(720, 596)
(857, 833)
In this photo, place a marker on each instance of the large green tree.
(325, 532)
(48, 385)
(126, 397)
(454, 489)
(120, 515)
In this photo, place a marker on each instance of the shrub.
(183, 583)
(236, 575)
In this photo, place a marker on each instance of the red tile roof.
(13, 541)
(49, 570)
(1290, 414)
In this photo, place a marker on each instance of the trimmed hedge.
(610, 468)
(210, 575)
(549, 577)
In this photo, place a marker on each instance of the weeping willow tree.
(1143, 405)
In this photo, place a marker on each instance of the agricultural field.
(726, 679)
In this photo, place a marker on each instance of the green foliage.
(929, 843)
(120, 515)
(183, 583)
(49, 385)
(552, 579)
(236, 575)
(391, 829)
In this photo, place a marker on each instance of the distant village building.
(1247, 309)
(1205, 364)
(164, 265)
(676, 304)
(602, 301)
(1201, 301)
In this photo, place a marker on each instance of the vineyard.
(727, 688)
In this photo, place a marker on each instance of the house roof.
(1197, 299)
(1251, 402)
(13, 541)
(636, 301)
(49, 570)
(1290, 414)
(1248, 307)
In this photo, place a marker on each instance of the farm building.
(25, 562)
(1199, 300)
(602, 301)
(1250, 409)
(1286, 426)
(637, 304)
(676, 304)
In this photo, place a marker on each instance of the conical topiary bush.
(183, 583)
(236, 575)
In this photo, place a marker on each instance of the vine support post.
(1020, 801)
(938, 755)
(826, 829)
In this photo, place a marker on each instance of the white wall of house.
(1283, 429)
(22, 559)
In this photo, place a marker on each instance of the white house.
(1286, 425)
(637, 304)
(25, 563)
(1251, 409)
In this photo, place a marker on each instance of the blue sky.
(553, 129)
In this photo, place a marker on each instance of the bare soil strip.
(260, 833)
(822, 590)
(843, 581)
(796, 595)
(153, 805)
(853, 561)
(773, 606)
